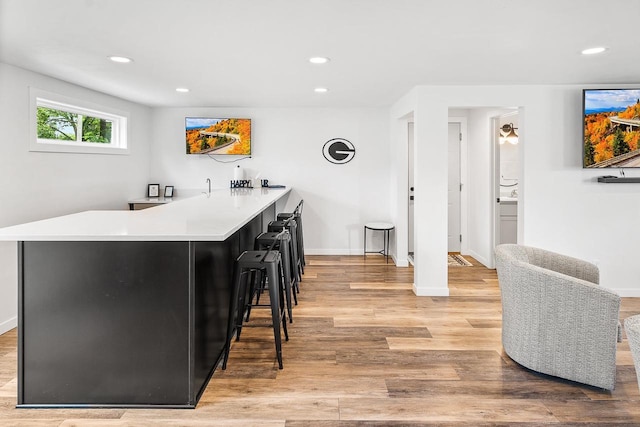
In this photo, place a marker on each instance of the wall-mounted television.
(611, 128)
(231, 136)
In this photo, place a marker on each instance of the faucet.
(209, 182)
(514, 192)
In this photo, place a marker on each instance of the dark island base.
(124, 324)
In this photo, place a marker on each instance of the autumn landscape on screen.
(612, 128)
(218, 136)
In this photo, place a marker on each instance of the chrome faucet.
(209, 182)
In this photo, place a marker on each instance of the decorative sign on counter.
(241, 183)
(338, 151)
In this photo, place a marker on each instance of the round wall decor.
(338, 151)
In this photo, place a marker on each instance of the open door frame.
(495, 129)
(464, 193)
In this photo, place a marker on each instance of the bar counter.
(130, 308)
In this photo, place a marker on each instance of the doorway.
(410, 181)
(506, 177)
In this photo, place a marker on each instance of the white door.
(495, 123)
(411, 192)
(454, 188)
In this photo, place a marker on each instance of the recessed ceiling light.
(120, 59)
(593, 50)
(318, 60)
(182, 89)
(321, 90)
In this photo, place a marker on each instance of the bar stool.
(280, 241)
(291, 217)
(263, 263)
(297, 216)
(385, 227)
(290, 226)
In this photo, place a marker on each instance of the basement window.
(62, 124)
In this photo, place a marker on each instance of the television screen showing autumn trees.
(611, 128)
(218, 136)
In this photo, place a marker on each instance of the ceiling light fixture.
(319, 60)
(182, 89)
(593, 50)
(321, 90)
(508, 134)
(121, 59)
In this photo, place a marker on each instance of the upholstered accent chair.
(556, 320)
(632, 327)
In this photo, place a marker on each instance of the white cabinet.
(508, 222)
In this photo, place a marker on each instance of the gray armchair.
(555, 318)
(632, 326)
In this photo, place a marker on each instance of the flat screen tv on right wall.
(611, 128)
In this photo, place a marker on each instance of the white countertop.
(212, 217)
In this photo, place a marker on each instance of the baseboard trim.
(627, 292)
(338, 252)
(482, 260)
(400, 262)
(8, 325)
(430, 292)
(332, 251)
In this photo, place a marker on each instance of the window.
(62, 124)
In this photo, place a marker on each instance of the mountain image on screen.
(611, 128)
(217, 136)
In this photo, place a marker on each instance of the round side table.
(385, 227)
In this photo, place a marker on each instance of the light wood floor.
(365, 351)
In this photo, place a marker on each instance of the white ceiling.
(255, 52)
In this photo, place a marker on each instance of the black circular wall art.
(338, 151)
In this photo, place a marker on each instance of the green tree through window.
(63, 126)
(57, 124)
(96, 130)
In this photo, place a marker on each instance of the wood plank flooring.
(365, 351)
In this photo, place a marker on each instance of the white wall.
(43, 185)
(562, 207)
(287, 149)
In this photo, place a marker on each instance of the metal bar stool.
(290, 226)
(280, 241)
(297, 216)
(262, 262)
(385, 227)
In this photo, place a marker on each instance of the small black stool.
(280, 241)
(379, 226)
(290, 226)
(297, 216)
(247, 264)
